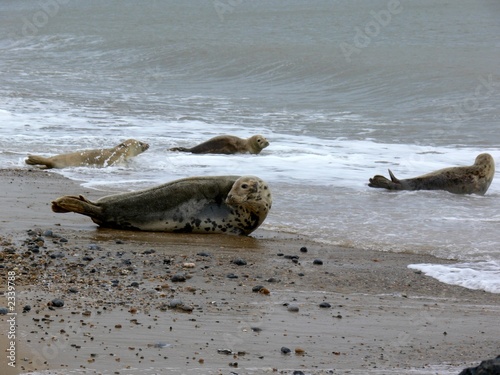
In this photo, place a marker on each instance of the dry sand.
(124, 313)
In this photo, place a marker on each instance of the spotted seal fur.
(216, 204)
(473, 179)
(97, 158)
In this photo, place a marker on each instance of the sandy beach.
(155, 303)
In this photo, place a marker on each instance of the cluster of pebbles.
(58, 276)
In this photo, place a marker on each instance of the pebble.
(318, 261)
(93, 246)
(293, 307)
(303, 249)
(4, 311)
(204, 254)
(285, 350)
(48, 233)
(174, 303)
(231, 276)
(178, 277)
(57, 302)
(298, 372)
(257, 288)
(26, 308)
(239, 262)
(325, 305)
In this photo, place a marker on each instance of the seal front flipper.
(78, 204)
(382, 182)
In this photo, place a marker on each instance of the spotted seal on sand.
(216, 204)
(97, 158)
(228, 144)
(474, 179)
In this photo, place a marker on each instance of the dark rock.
(298, 372)
(26, 308)
(488, 367)
(57, 302)
(239, 262)
(204, 254)
(178, 277)
(73, 290)
(257, 288)
(285, 350)
(134, 284)
(318, 262)
(303, 249)
(231, 276)
(4, 311)
(325, 305)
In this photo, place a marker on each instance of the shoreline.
(123, 311)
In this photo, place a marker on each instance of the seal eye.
(244, 186)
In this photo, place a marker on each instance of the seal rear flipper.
(78, 204)
(39, 160)
(379, 181)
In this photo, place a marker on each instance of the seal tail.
(384, 183)
(79, 205)
(39, 160)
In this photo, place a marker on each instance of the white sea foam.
(477, 275)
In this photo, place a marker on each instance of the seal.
(96, 158)
(228, 144)
(473, 179)
(215, 204)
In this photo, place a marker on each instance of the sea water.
(343, 90)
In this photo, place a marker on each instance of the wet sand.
(156, 303)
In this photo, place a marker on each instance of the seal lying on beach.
(228, 144)
(99, 158)
(217, 204)
(474, 179)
